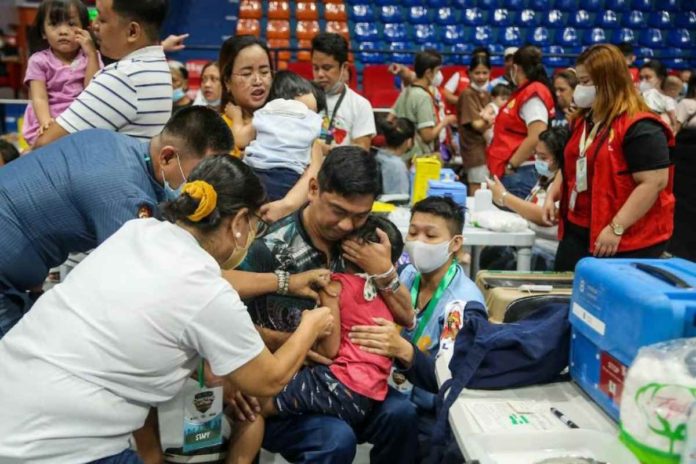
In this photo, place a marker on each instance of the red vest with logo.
(510, 130)
(610, 184)
(462, 85)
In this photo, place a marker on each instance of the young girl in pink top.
(356, 380)
(64, 61)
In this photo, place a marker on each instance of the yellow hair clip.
(205, 194)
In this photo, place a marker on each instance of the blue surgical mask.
(170, 193)
(542, 168)
(178, 94)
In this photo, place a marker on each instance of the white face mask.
(480, 88)
(437, 80)
(584, 95)
(644, 86)
(427, 257)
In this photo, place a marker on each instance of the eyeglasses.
(249, 76)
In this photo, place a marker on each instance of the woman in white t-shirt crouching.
(130, 324)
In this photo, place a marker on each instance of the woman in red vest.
(616, 189)
(519, 123)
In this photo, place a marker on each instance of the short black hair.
(368, 233)
(445, 208)
(201, 130)
(427, 59)
(150, 14)
(350, 171)
(56, 12)
(331, 44)
(555, 138)
(501, 90)
(626, 48)
(8, 152)
(290, 85)
(234, 182)
(397, 131)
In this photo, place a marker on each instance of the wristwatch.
(283, 281)
(618, 229)
(510, 167)
(392, 286)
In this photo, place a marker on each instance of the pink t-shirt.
(64, 82)
(364, 373)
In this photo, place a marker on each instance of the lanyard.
(586, 141)
(430, 309)
(332, 121)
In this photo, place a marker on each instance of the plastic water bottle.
(483, 199)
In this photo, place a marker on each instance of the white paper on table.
(499, 416)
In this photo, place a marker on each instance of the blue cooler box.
(619, 306)
(455, 190)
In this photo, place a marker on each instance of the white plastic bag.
(499, 221)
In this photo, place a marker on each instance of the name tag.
(203, 419)
(581, 174)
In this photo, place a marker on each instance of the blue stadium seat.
(644, 54)
(555, 18)
(595, 36)
(580, 19)
(515, 5)
(529, 18)
(624, 35)
(635, 20)
(643, 5)
(453, 34)
(487, 4)
(419, 15)
(429, 45)
(540, 37)
(497, 58)
(609, 20)
(366, 32)
(483, 35)
(566, 5)
(463, 48)
(446, 15)
(473, 17)
(424, 33)
(679, 38)
(391, 14)
(409, 2)
(360, 13)
(555, 61)
(395, 32)
(617, 5)
(501, 18)
(651, 38)
(511, 37)
(540, 5)
(464, 3)
(686, 19)
(366, 57)
(673, 5)
(402, 58)
(438, 3)
(569, 37)
(660, 19)
(592, 5)
(676, 63)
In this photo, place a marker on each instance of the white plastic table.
(477, 238)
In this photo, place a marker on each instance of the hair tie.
(205, 194)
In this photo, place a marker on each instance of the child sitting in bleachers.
(356, 380)
(500, 95)
(282, 133)
(64, 62)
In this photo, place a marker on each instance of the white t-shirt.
(534, 110)
(354, 118)
(685, 110)
(122, 333)
(659, 102)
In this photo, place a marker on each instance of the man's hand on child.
(244, 408)
(373, 258)
(307, 284)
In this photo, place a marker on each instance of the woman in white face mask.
(614, 190)
(135, 319)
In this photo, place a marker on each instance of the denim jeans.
(522, 182)
(392, 428)
(277, 182)
(125, 457)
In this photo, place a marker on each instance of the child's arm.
(243, 133)
(673, 120)
(85, 40)
(39, 101)
(328, 346)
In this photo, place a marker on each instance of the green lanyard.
(430, 309)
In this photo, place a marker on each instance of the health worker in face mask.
(179, 86)
(71, 195)
(615, 189)
(440, 290)
(135, 319)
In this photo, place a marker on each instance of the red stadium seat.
(250, 9)
(335, 12)
(306, 30)
(306, 11)
(338, 27)
(280, 43)
(278, 29)
(304, 55)
(249, 27)
(279, 10)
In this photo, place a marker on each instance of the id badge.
(398, 381)
(581, 174)
(573, 199)
(203, 419)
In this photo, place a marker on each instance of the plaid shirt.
(286, 247)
